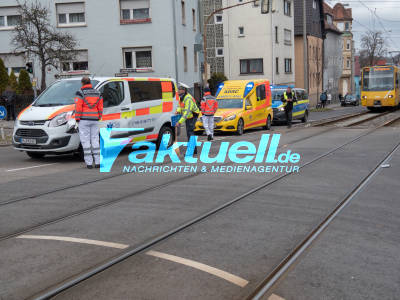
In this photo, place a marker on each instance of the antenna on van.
(101, 68)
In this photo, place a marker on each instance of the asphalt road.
(226, 255)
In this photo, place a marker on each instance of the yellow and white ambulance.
(242, 104)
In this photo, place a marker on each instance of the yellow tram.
(380, 86)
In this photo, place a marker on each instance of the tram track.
(56, 289)
(271, 280)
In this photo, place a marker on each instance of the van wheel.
(268, 124)
(35, 155)
(305, 117)
(240, 127)
(166, 130)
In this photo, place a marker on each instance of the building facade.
(242, 43)
(333, 58)
(343, 20)
(144, 38)
(315, 50)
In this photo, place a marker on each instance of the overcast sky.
(364, 17)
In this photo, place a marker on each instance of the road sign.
(3, 112)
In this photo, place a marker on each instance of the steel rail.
(58, 288)
(283, 267)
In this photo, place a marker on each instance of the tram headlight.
(390, 96)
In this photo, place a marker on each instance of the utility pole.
(305, 51)
(205, 34)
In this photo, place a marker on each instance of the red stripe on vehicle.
(256, 123)
(167, 106)
(152, 137)
(111, 117)
(166, 86)
(61, 110)
(20, 114)
(143, 111)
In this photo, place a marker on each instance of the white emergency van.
(48, 125)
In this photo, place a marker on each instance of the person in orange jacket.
(209, 106)
(88, 113)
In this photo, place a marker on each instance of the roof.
(329, 11)
(341, 13)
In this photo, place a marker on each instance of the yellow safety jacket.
(187, 109)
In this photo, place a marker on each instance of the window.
(329, 19)
(183, 13)
(145, 91)
(135, 11)
(288, 36)
(113, 93)
(196, 63)
(314, 4)
(218, 19)
(287, 8)
(194, 19)
(251, 66)
(348, 44)
(260, 91)
(185, 59)
(277, 65)
(219, 52)
(80, 62)
(348, 63)
(241, 31)
(9, 17)
(14, 62)
(288, 65)
(276, 35)
(138, 58)
(346, 26)
(71, 14)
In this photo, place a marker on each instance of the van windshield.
(60, 93)
(230, 103)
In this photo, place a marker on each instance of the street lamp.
(264, 9)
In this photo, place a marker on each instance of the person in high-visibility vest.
(289, 97)
(209, 106)
(189, 110)
(88, 113)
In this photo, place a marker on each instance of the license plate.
(28, 141)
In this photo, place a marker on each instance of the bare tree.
(373, 48)
(37, 36)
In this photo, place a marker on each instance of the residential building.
(145, 38)
(333, 55)
(251, 45)
(343, 20)
(315, 35)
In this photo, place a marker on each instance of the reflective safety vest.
(187, 107)
(209, 105)
(286, 96)
(88, 104)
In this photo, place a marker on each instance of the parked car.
(350, 100)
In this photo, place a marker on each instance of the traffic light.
(265, 6)
(29, 67)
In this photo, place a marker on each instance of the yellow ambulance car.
(242, 104)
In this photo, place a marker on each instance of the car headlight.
(281, 109)
(61, 119)
(230, 118)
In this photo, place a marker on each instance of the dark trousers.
(323, 103)
(289, 114)
(190, 124)
(10, 111)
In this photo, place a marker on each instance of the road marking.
(275, 297)
(74, 240)
(39, 166)
(202, 267)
